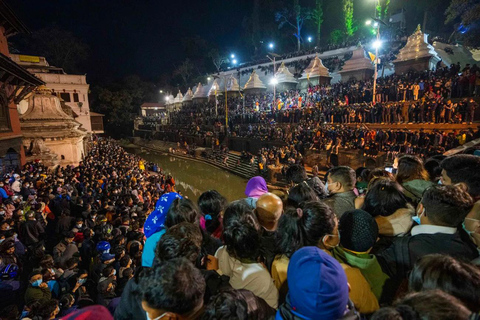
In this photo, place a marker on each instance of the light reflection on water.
(193, 177)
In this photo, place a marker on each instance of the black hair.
(384, 197)
(305, 226)
(127, 272)
(433, 168)
(446, 205)
(71, 262)
(107, 271)
(182, 240)
(300, 193)
(44, 309)
(237, 305)
(212, 203)
(435, 305)
(124, 261)
(296, 174)
(460, 279)
(411, 168)
(173, 286)
(241, 232)
(182, 210)
(400, 312)
(345, 175)
(464, 168)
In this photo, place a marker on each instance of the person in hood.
(37, 289)
(321, 295)
(256, 186)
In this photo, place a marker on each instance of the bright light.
(377, 44)
(232, 56)
(274, 81)
(234, 61)
(167, 98)
(161, 91)
(309, 39)
(271, 45)
(375, 24)
(208, 79)
(368, 22)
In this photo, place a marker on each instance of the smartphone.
(389, 169)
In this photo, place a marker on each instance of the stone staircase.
(241, 168)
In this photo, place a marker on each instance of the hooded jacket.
(414, 189)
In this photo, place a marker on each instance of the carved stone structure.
(50, 134)
(358, 66)
(254, 84)
(315, 73)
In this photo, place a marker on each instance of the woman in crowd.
(413, 177)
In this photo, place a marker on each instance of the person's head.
(69, 236)
(238, 304)
(256, 186)
(384, 197)
(268, 211)
(426, 305)
(182, 210)
(181, 240)
(212, 204)
(300, 193)
(46, 309)
(35, 277)
(462, 168)
(66, 301)
(433, 168)
(323, 294)
(411, 168)
(313, 224)
(296, 174)
(358, 231)
(457, 278)
(341, 179)
(444, 206)
(241, 231)
(172, 288)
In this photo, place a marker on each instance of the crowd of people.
(112, 237)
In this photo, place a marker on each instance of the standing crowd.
(112, 237)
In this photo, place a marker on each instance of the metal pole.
(226, 105)
(376, 65)
(274, 85)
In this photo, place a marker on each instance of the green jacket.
(36, 293)
(414, 189)
(368, 265)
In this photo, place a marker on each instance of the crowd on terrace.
(113, 237)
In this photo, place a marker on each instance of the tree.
(185, 71)
(217, 59)
(336, 36)
(382, 8)
(467, 15)
(317, 16)
(294, 19)
(61, 48)
(348, 17)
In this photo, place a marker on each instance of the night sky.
(136, 36)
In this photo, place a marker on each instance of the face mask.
(79, 226)
(37, 283)
(82, 281)
(160, 317)
(114, 271)
(417, 217)
(1, 240)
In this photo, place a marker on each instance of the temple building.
(285, 79)
(358, 66)
(15, 84)
(254, 85)
(71, 88)
(315, 73)
(50, 134)
(417, 55)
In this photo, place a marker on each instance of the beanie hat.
(156, 220)
(323, 294)
(358, 230)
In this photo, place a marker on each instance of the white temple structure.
(178, 99)
(187, 98)
(417, 54)
(49, 133)
(285, 79)
(215, 89)
(200, 93)
(233, 88)
(358, 66)
(254, 84)
(315, 73)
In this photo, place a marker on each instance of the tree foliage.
(185, 71)
(382, 9)
(217, 59)
(295, 19)
(317, 16)
(348, 17)
(466, 14)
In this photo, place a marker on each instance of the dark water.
(193, 177)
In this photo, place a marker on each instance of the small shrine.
(285, 79)
(358, 66)
(233, 88)
(49, 133)
(417, 55)
(215, 90)
(315, 73)
(187, 98)
(178, 100)
(200, 94)
(254, 84)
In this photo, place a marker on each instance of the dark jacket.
(31, 232)
(130, 306)
(285, 312)
(341, 202)
(400, 258)
(268, 248)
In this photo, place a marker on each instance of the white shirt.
(250, 276)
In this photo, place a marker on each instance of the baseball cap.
(318, 287)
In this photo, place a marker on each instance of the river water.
(193, 178)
